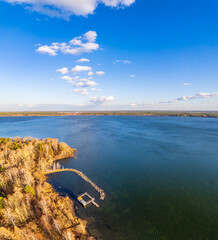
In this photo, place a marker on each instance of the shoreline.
(204, 114)
(92, 229)
(23, 163)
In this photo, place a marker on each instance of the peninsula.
(29, 207)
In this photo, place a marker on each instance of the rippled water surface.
(160, 173)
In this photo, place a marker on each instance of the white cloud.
(78, 45)
(20, 105)
(116, 3)
(63, 70)
(132, 76)
(66, 8)
(28, 105)
(79, 68)
(100, 73)
(141, 104)
(70, 79)
(91, 36)
(50, 50)
(101, 100)
(80, 91)
(85, 84)
(122, 61)
(84, 79)
(133, 104)
(196, 96)
(96, 89)
(31, 106)
(90, 73)
(81, 60)
(90, 78)
(187, 84)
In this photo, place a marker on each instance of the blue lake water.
(160, 174)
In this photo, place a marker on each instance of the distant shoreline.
(212, 114)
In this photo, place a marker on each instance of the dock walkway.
(82, 175)
(85, 203)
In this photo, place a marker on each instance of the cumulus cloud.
(122, 61)
(66, 8)
(70, 79)
(63, 70)
(80, 91)
(101, 100)
(116, 3)
(187, 84)
(81, 60)
(196, 96)
(100, 73)
(78, 45)
(79, 68)
(85, 84)
(90, 73)
(132, 76)
(50, 50)
(96, 89)
(84, 79)
(91, 36)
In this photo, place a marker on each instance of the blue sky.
(134, 55)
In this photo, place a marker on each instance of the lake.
(160, 174)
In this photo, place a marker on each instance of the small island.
(29, 206)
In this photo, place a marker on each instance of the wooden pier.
(84, 202)
(82, 175)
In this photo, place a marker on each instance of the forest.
(29, 207)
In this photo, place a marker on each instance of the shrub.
(40, 147)
(1, 203)
(51, 151)
(4, 140)
(2, 169)
(29, 189)
(15, 146)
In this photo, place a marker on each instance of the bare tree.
(3, 182)
(9, 215)
(57, 226)
(68, 235)
(44, 206)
